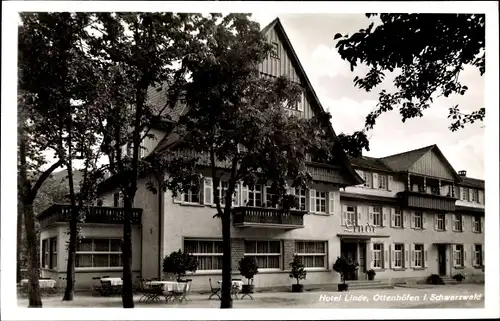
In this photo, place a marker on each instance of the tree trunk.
(35, 300)
(70, 268)
(226, 299)
(20, 245)
(127, 289)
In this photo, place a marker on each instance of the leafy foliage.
(344, 266)
(427, 52)
(298, 270)
(434, 279)
(248, 267)
(179, 263)
(459, 277)
(354, 144)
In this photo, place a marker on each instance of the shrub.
(371, 273)
(434, 279)
(179, 263)
(343, 266)
(459, 277)
(248, 267)
(298, 271)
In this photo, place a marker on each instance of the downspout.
(160, 229)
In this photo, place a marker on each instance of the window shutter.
(384, 215)
(470, 194)
(446, 221)
(343, 218)
(462, 222)
(461, 191)
(435, 222)
(389, 182)
(482, 224)
(454, 254)
(244, 195)
(393, 214)
(358, 212)
(407, 255)
(426, 246)
(412, 255)
(312, 200)
(412, 219)
(375, 181)
(386, 255)
(404, 218)
(372, 256)
(236, 198)
(208, 195)
(331, 202)
(482, 255)
(391, 249)
(360, 173)
(370, 215)
(300, 104)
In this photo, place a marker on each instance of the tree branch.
(42, 179)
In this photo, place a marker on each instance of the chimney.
(462, 173)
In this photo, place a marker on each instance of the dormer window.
(275, 50)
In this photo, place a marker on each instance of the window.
(478, 255)
(275, 50)
(311, 253)
(49, 253)
(377, 216)
(192, 196)
(475, 196)
(465, 194)
(398, 255)
(351, 216)
(476, 224)
(98, 253)
(417, 217)
(208, 253)
(270, 197)
(222, 194)
(440, 222)
(118, 199)
(377, 255)
(382, 182)
(435, 190)
(398, 218)
(457, 222)
(266, 253)
(368, 179)
(419, 255)
(320, 202)
(458, 255)
(255, 196)
(300, 193)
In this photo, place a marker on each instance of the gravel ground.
(436, 297)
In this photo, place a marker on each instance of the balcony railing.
(427, 201)
(267, 217)
(91, 214)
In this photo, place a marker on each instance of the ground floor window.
(378, 249)
(478, 255)
(311, 253)
(458, 255)
(418, 255)
(49, 253)
(208, 253)
(98, 253)
(266, 253)
(398, 255)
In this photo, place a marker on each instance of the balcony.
(427, 201)
(267, 218)
(93, 214)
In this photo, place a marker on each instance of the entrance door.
(349, 251)
(442, 259)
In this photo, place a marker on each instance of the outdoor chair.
(106, 288)
(247, 294)
(235, 289)
(149, 293)
(97, 286)
(180, 295)
(215, 290)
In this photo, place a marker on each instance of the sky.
(311, 36)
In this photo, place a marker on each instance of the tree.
(426, 51)
(239, 126)
(344, 266)
(137, 51)
(179, 263)
(298, 271)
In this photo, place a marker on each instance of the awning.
(358, 236)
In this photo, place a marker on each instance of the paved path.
(437, 297)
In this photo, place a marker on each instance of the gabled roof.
(276, 23)
(365, 162)
(472, 182)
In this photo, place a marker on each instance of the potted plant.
(179, 263)
(459, 277)
(298, 272)
(248, 268)
(371, 274)
(343, 266)
(434, 279)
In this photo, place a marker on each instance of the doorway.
(350, 251)
(442, 259)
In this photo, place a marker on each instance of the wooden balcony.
(93, 214)
(267, 218)
(427, 201)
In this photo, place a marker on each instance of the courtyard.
(445, 296)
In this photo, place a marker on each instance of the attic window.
(275, 50)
